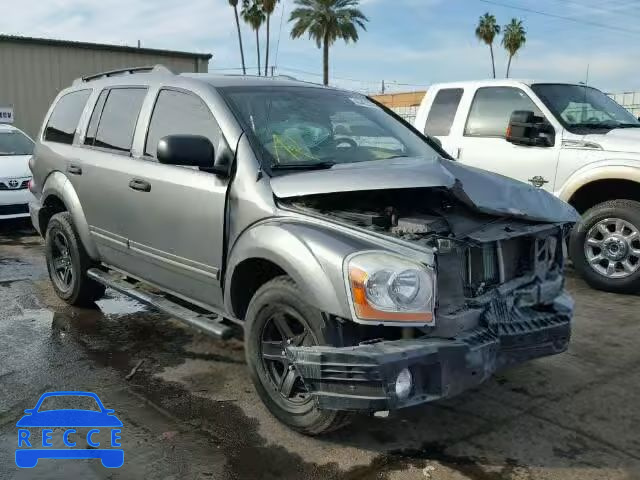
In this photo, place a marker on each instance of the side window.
(443, 112)
(178, 113)
(63, 122)
(117, 124)
(95, 118)
(492, 108)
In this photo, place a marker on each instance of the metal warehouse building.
(34, 70)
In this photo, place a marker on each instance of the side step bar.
(210, 324)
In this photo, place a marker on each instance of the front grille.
(24, 184)
(515, 257)
(14, 209)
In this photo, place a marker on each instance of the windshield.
(15, 143)
(304, 127)
(580, 107)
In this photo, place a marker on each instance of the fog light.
(404, 384)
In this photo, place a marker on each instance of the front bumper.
(13, 203)
(362, 378)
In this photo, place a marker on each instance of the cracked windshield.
(312, 127)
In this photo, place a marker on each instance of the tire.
(61, 236)
(282, 296)
(620, 218)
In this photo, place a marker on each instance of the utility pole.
(273, 69)
(383, 89)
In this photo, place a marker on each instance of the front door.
(482, 143)
(176, 216)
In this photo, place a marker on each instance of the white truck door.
(441, 114)
(481, 142)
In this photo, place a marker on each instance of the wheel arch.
(269, 250)
(599, 191)
(58, 195)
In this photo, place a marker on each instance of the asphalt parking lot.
(189, 411)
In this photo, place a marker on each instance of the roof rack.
(123, 71)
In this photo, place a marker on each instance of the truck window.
(178, 113)
(492, 108)
(443, 111)
(90, 137)
(119, 118)
(62, 124)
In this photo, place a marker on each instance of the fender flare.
(58, 185)
(290, 246)
(589, 174)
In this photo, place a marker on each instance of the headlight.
(386, 287)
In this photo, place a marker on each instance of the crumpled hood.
(481, 190)
(617, 140)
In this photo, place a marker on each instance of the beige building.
(34, 70)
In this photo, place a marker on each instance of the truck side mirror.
(525, 128)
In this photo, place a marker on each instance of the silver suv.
(368, 270)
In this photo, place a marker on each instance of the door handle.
(140, 185)
(538, 181)
(74, 170)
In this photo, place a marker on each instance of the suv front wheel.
(68, 262)
(278, 316)
(605, 246)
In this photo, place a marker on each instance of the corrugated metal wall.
(629, 100)
(31, 75)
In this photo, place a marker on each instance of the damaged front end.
(500, 299)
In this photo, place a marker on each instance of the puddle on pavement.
(115, 304)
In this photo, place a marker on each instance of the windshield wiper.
(302, 166)
(595, 125)
(629, 125)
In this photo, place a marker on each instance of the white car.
(16, 149)
(571, 140)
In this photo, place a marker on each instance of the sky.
(409, 44)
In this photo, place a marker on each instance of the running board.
(210, 324)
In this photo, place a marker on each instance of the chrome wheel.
(61, 262)
(612, 248)
(285, 328)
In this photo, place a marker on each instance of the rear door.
(101, 173)
(176, 214)
(481, 142)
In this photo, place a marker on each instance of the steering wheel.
(348, 141)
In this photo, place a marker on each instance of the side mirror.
(189, 150)
(525, 128)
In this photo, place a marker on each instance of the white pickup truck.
(572, 140)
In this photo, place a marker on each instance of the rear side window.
(90, 137)
(63, 122)
(443, 112)
(119, 117)
(177, 113)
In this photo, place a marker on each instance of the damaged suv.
(368, 270)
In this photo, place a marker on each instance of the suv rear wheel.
(68, 262)
(278, 316)
(605, 246)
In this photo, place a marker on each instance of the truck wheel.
(605, 246)
(68, 262)
(277, 316)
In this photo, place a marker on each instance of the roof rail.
(122, 71)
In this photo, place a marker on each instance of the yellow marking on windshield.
(290, 146)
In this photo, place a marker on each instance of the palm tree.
(513, 39)
(234, 4)
(268, 6)
(252, 14)
(326, 21)
(486, 32)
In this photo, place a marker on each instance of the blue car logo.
(32, 447)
